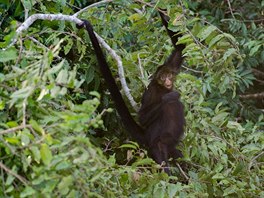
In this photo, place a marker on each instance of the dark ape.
(161, 114)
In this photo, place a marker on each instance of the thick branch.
(258, 73)
(74, 19)
(50, 17)
(253, 96)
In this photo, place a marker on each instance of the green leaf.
(229, 190)
(63, 165)
(135, 17)
(65, 184)
(220, 117)
(254, 50)
(228, 53)
(36, 153)
(9, 180)
(24, 139)
(23, 93)
(205, 33)
(36, 127)
(131, 146)
(12, 140)
(45, 154)
(239, 168)
(2, 77)
(146, 161)
(28, 192)
(215, 40)
(7, 55)
(68, 47)
(62, 77)
(2, 105)
(173, 189)
(12, 124)
(56, 68)
(27, 4)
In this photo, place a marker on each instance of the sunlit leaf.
(45, 154)
(7, 55)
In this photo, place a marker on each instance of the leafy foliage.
(59, 135)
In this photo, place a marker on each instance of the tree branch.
(90, 6)
(253, 96)
(258, 73)
(254, 159)
(20, 178)
(51, 17)
(11, 130)
(230, 8)
(182, 172)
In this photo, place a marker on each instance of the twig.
(24, 112)
(182, 172)
(152, 6)
(41, 45)
(201, 45)
(20, 178)
(20, 52)
(140, 66)
(254, 159)
(252, 96)
(90, 6)
(193, 70)
(230, 8)
(26, 24)
(11, 130)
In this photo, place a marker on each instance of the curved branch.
(90, 6)
(76, 20)
(121, 72)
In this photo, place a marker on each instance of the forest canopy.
(60, 133)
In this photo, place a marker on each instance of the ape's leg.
(175, 153)
(159, 152)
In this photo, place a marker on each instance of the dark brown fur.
(161, 114)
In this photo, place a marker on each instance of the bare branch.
(90, 6)
(230, 8)
(11, 130)
(253, 96)
(193, 70)
(121, 72)
(258, 73)
(254, 159)
(182, 172)
(50, 17)
(20, 178)
(74, 19)
(24, 112)
(140, 66)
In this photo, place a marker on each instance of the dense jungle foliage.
(60, 135)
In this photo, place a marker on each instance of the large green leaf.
(46, 154)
